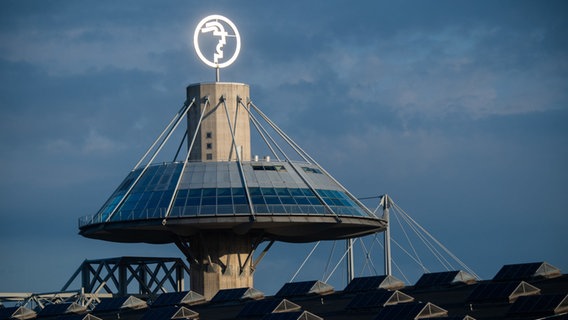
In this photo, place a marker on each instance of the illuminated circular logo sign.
(214, 36)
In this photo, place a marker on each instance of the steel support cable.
(281, 133)
(185, 161)
(180, 145)
(368, 260)
(308, 158)
(179, 113)
(240, 164)
(461, 263)
(262, 131)
(440, 257)
(424, 237)
(341, 259)
(393, 261)
(259, 126)
(305, 260)
(234, 125)
(306, 181)
(166, 138)
(408, 239)
(292, 144)
(329, 258)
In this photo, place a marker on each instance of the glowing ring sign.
(216, 26)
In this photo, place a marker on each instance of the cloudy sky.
(457, 109)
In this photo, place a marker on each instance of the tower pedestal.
(219, 261)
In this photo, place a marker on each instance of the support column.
(386, 205)
(219, 261)
(214, 141)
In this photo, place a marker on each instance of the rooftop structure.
(216, 201)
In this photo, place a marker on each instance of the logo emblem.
(214, 39)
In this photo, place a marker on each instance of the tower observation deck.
(217, 202)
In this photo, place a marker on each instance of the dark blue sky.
(457, 109)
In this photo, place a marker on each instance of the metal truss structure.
(131, 275)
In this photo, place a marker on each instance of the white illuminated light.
(214, 26)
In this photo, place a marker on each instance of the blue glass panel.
(302, 200)
(255, 191)
(307, 192)
(276, 209)
(287, 200)
(239, 200)
(225, 209)
(296, 192)
(193, 201)
(282, 192)
(257, 199)
(314, 201)
(182, 193)
(224, 201)
(208, 210)
(190, 211)
(179, 202)
(238, 191)
(272, 200)
(260, 208)
(209, 192)
(242, 209)
(209, 201)
(268, 191)
(223, 192)
(195, 192)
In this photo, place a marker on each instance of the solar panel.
(410, 311)
(170, 299)
(526, 271)
(499, 291)
(295, 315)
(522, 271)
(436, 279)
(237, 294)
(110, 304)
(377, 299)
(79, 317)
(54, 309)
(364, 284)
(163, 313)
(540, 305)
(263, 307)
(303, 288)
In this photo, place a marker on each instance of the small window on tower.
(209, 135)
(209, 146)
(209, 156)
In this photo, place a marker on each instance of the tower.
(216, 201)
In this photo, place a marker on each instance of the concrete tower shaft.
(224, 117)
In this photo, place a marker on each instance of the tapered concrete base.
(219, 261)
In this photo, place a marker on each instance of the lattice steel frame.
(116, 275)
